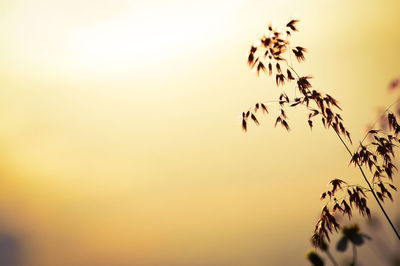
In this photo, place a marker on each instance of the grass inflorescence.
(269, 55)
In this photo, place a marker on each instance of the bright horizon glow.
(141, 38)
(121, 143)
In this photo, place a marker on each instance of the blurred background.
(120, 131)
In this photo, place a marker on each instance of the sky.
(120, 128)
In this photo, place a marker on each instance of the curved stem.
(354, 255)
(331, 258)
(383, 113)
(372, 190)
(292, 69)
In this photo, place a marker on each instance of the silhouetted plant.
(269, 55)
(351, 235)
(381, 122)
(314, 258)
(324, 247)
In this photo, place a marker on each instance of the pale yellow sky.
(120, 130)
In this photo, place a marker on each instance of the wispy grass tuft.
(269, 55)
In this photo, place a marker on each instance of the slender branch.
(372, 190)
(364, 176)
(383, 113)
(292, 68)
(331, 258)
(354, 255)
(362, 172)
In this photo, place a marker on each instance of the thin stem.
(383, 113)
(331, 258)
(372, 190)
(292, 68)
(361, 170)
(354, 255)
(291, 64)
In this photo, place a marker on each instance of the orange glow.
(120, 137)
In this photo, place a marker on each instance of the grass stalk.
(331, 258)
(354, 254)
(372, 190)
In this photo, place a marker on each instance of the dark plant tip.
(244, 125)
(315, 259)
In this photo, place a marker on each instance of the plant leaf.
(342, 244)
(357, 240)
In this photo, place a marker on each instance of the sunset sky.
(120, 128)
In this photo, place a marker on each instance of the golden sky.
(120, 130)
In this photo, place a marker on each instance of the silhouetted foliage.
(272, 50)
